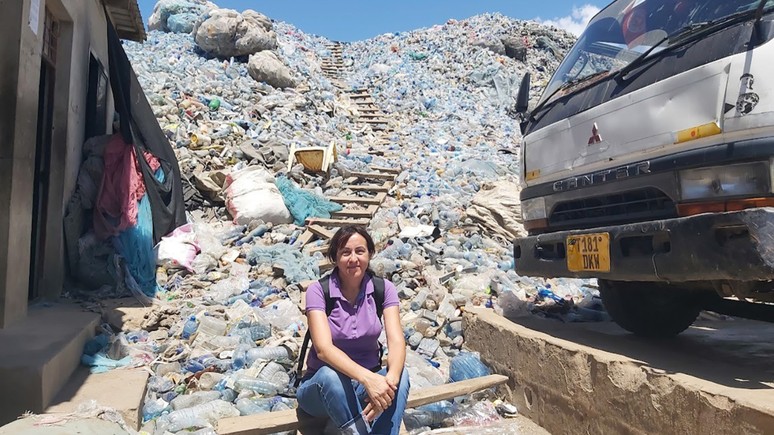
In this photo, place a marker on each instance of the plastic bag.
(179, 249)
(252, 195)
(467, 365)
(477, 414)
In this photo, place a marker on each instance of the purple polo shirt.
(355, 328)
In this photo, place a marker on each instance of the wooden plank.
(325, 265)
(454, 389)
(375, 175)
(304, 238)
(368, 187)
(321, 248)
(281, 421)
(337, 222)
(367, 213)
(356, 200)
(321, 232)
(383, 169)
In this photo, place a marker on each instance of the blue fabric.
(328, 393)
(303, 203)
(136, 246)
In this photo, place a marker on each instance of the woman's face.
(353, 258)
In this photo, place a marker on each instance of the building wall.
(83, 31)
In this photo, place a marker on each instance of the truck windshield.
(626, 29)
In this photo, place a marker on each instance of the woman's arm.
(396, 344)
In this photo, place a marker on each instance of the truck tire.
(649, 309)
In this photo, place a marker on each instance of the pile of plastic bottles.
(230, 343)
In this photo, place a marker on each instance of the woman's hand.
(393, 379)
(380, 394)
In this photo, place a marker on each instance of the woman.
(344, 379)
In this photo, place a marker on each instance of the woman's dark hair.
(340, 239)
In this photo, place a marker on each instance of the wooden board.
(281, 421)
(367, 213)
(325, 265)
(355, 200)
(383, 169)
(321, 248)
(321, 232)
(368, 187)
(337, 222)
(375, 175)
(304, 238)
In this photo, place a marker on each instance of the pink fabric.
(122, 187)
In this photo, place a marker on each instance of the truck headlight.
(742, 179)
(533, 209)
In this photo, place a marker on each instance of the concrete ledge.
(120, 389)
(38, 355)
(717, 378)
(34, 426)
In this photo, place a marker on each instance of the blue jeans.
(329, 393)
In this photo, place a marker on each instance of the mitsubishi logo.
(595, 136)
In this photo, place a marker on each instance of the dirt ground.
(519, 425)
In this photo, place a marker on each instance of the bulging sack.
(251, 195)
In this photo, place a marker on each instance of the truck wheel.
(649, 309)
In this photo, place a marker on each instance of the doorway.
(44, 135)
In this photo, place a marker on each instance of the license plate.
(588, 253)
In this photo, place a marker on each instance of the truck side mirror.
(522, 100)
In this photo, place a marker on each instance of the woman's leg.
(330, 393)
(389, 421)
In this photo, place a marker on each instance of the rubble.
(223, 333)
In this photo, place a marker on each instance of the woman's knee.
(405, 383)
(330, 379)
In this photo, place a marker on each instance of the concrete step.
(120, 389)
(38, 355)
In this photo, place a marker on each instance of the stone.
(266, 67)
(226, 33)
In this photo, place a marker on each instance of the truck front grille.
(619, 208)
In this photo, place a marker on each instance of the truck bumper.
(707, 247)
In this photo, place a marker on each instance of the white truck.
(648, 163)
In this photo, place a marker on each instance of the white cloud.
(575, 22)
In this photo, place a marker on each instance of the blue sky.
(350, 20)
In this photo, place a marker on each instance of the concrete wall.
(578, 379)
(19, 84)
(83, 31)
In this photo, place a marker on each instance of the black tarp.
(140, 127)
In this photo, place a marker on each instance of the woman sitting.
(344, 379)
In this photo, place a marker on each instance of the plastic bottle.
(254, 405)
(197, 398)
(195, 417)
(190, 327)
(260, 386)
(212, 326)
(239, 360)
(259, 231)
(153, 408)
(419, 300)
(267, 353)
